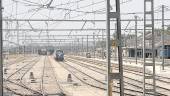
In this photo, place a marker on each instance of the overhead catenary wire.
(63, 5)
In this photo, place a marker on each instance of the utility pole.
(17, 27)
(31, 47)
(115, 49)
(1, 51)
(94, 44)
(71, 44)
(82, 46)
(162, 37)
(112, 75)
(109, 81)
(102, 45)
(47, 46)
(87, 43)
(78, 46)
(24, 42)
(75, 51)
(69, 48)
(136, 49)
(7, 37)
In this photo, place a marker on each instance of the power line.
(75, 20)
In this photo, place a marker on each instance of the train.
(59, 55)
(42, 51)
(45, 51)
(166, 52)
(50, 51)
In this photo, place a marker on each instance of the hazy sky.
(60, 9)
(74, 9)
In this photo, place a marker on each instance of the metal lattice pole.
(82, 46)
(87, 44)
(148, 36)
(162, 37)
(1, 50)
(136, 48)
(94, 45)
(102, 45)
(110, 75)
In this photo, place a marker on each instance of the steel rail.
(103, 71)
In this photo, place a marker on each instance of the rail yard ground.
(37, 75)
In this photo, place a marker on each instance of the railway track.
(127, 79)
(15, 61)
(89, 80)
(49, 80)
(14, 81)
(140, 60)
(127, 68)
(20, 86)
(15, 84)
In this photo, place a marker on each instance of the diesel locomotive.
(59, 55)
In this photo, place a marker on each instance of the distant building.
(129, 48)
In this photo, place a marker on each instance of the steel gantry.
(148, 44)
(110, 74)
